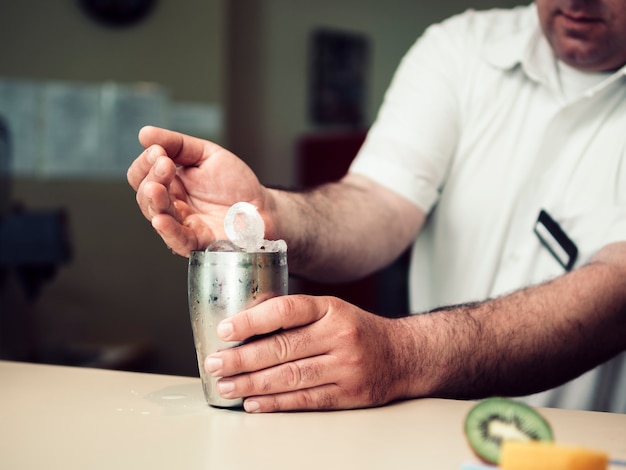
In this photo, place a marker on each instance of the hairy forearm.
(521, 343)
(344, 230)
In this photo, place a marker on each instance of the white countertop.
(54, 417)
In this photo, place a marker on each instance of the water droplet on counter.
(174, 396)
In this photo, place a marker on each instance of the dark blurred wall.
(122, 286)
(268, 65)
(178, 45)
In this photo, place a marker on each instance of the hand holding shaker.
(228, 277)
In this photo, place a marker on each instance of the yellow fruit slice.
(535, 455)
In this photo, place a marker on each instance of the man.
(492, 119)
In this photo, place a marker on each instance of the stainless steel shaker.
(221, 284)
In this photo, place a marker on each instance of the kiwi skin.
(493, 420)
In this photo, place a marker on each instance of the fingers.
(297, 375)
(281, 347)
(154, 193)
(297, 334)
(183, 149)
(284, 312)
(309, 384)
(179, 239)
(327, 397)
(153, 175)
(142, 165)
(182, 238)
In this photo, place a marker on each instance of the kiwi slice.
(494, 420)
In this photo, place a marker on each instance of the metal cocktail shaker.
(221, 284)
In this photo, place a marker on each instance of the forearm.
(521, 343)
(344, 230)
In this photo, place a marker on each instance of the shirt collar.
(526, 46)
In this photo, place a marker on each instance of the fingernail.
(151, 156)
(225, 329)
(251, 406)
(225, 386)
(160, 168)
(213, 364)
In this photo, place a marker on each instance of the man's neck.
(574, 81)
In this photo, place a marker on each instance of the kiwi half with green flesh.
(494, 420)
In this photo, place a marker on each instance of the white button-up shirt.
(476, 131)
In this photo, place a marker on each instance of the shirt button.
(513, 258)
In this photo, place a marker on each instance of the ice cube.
(244, 226)
(223, 245)
(273, 245)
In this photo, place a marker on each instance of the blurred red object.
(326, 157)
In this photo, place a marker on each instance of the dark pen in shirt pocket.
(554, 238)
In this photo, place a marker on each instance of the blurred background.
(290, 86)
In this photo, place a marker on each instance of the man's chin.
(579, 55)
